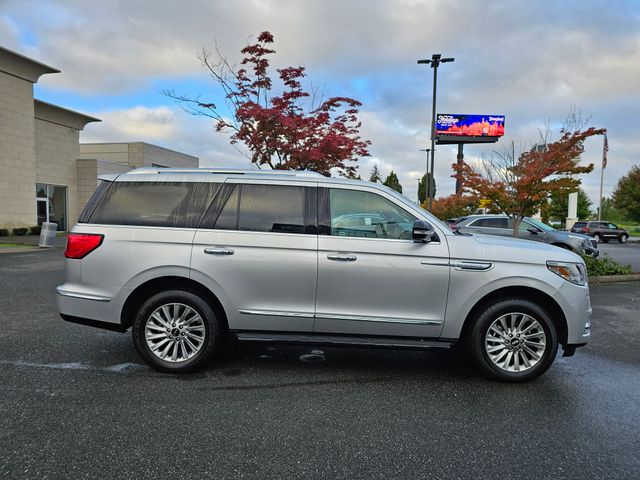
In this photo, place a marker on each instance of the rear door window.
(154, 204)
(269, 208)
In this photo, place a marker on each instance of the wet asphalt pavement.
(76, 402)
(623, 253)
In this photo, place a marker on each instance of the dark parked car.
(601, 231)
(453, 222)
(530, 229)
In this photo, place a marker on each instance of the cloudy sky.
(531, 61)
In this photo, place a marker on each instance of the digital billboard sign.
(465, 125)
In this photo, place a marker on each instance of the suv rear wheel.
(176, 331)
(513, 340)
(597, 237)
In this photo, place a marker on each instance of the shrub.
(4, 232)
(605, 265)
(35, 230)
(20, 232)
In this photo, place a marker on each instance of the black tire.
(623, 238)
(597, 237)
(209, 323)
(476, 339)
(605, 240)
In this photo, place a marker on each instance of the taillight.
(79, 245)
(585, 230)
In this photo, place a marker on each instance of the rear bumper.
(88, 306)
(114, 327)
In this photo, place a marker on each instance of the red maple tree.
(285, 131)
(518, 185)
(454, 206)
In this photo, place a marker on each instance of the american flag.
(605, 149)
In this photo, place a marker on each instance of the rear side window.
(93, 202)
(491, 223)
(579, 224)
(155, 204)
(269, 208)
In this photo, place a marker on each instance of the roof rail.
(222, 170)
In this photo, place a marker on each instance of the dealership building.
(46, 174)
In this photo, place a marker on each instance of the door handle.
(218, 251)
(342, 257)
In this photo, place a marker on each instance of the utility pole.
(427, 184)
(435, 61)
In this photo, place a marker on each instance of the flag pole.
(605, 149)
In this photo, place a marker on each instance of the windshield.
(540, 225)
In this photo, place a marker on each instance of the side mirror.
(532, 230)
(422, 231)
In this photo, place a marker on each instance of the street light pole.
(427, 183)
(435, 61)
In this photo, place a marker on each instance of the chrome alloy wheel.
(515, 342)
(174, 332)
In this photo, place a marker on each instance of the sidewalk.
(33, 240)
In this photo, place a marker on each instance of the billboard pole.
(460, 159)
(435, 61)
(427, 181)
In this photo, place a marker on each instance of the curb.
(30, 248)
(615, 278)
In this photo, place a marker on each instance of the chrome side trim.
(437, 264)
(329, 316)
(274, 313)
(360, 318)
(472, 266)
(83, 296)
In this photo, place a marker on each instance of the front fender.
(469, 287)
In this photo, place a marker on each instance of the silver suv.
(190, 258)
(529, 229)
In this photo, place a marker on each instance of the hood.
(496, 248)
(560, 234)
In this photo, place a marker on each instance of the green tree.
(559, 205)
(609, 212)
(626, 196)
(375, 174)
(393, 182)
(422, 191)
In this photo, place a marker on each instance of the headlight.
(571, 272)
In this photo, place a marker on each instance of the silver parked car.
(529, 229)
(187, 259)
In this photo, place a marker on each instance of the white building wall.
(17, 153)
(56, 153)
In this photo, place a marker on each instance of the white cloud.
(169, 127)
(528, 60)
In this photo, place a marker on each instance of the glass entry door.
(42, 205)
(51, 203)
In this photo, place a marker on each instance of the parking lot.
(76, 402)
(626, 254)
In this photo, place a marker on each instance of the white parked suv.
(190, 258)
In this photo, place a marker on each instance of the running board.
(343, 340)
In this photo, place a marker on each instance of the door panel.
(269, 278)
(379, 286)
(261, 250)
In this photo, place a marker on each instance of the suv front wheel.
(513, 340)
(176, 331)
(623, 238)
